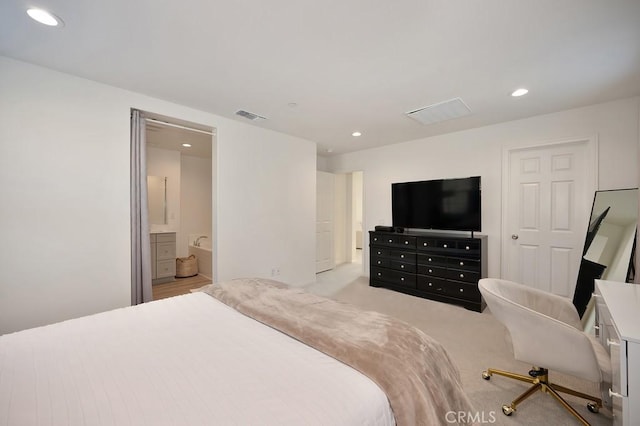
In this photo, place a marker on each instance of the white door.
(324, 221)
(548, 202)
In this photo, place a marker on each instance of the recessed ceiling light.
(519, 92)
(186, 145)
(44, 17)
(356, 134)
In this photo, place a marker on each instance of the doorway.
(182, 155)
(340, 197)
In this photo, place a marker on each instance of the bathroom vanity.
(163, 257)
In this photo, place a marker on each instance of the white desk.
(618, 322)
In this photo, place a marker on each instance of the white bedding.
(187, 360)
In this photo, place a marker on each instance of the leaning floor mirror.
(609, 249)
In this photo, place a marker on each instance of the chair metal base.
(539, 378)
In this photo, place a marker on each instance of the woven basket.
(186, 266)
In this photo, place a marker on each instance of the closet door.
(324, 221)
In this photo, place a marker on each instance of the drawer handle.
(390, 241)
(430, 285)
(461, 290)
(467, 248)
(379, 252)
(612, 343)
(401, 278)
(425, 244)
(461, 263)
(406, 242)
(461, 275)
(401, 266)
(430, 270)
(379, 274)
(430, 260)
(379, 262)
(616, 394)
(444, 245)
(402, 256)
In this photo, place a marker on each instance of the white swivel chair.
(546, 331)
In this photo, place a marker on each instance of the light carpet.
(477, 341)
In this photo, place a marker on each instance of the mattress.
(187, 360)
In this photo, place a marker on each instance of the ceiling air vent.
(249, 115)
(442, 111)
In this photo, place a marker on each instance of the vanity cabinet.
(163, 257)
(442, 267)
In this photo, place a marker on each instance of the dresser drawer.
(394, 277)
(462, 290)
(166, 268)
(617, 350)
(375, 239)
(462, 275)
(392, 240)
(468, 246)
(431, 284)
(166, 251)
(168, 237)
(403, 256)
(380, 251)
(464, 264)
(446, 244)
(403, 266)
(380, 261)
(426, 243)
(434, 271)
(406, 241)
(431, 260)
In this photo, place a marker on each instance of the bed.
(243, 352)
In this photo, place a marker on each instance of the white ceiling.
(172, 138)
(348, 64)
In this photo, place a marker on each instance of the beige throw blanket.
(414, 371)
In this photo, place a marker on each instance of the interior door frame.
(591, 143)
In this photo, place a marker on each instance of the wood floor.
(179, 286)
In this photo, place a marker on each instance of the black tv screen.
(446, 204)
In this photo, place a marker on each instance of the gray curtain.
(140, 244)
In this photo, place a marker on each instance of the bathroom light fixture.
(519, 92)
(356, 134)
(45, 17)
(186, 145)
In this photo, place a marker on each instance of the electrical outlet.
(275, 272)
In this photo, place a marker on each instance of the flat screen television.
(445, 204)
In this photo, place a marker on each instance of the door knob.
(514, 236)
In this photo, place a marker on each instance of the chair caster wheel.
(507, 410)
(486, 375)
(593, 407)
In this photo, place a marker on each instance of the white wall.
(64, 186)
(479, 152)
(165, 162)
(195, 201)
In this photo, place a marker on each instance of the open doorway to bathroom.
(181, 195)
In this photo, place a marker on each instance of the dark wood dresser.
(442, 267)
